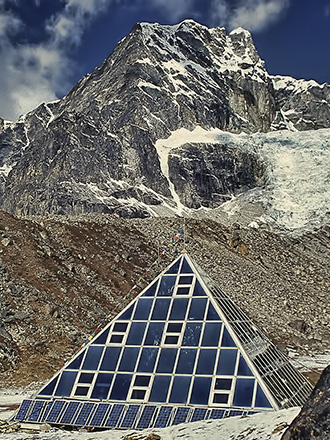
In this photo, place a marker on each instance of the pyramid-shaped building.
(181, 351)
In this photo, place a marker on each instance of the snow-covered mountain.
(178, 119)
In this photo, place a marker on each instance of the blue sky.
(46, 46)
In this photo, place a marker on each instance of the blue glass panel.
(84, 413)
(92, 358)
(136, 333)
(185, 267)
(206, 361)
(227, 362)
(160, 310)
(221, 398)
(212, 314)
(121, 386)
(261, 399)
(198, 290)
(102, 386)
(201, 391)
(192, 334)
(180, 415)
(223, 384)
(86, 377)
(146, 417)
(102, 339)
(69, 413)
(185, 279)
(163, 416)
(197, 308)
(142, 310)
(154, 334)
(199, 414)
(48, 390)
(166, 360)
(179, 309)
(147, 360)
(174, 268)
(126, 315)
(35, 413)
(243, 392)
(160, 389)
(166, 286)
(65, 384)
(180, 389)
(23, 409)
(227, 340)
(81, 391)
(110, 358)
(128, 359)
(183, 290)
(75, 364)
(120, 327)
(55, 411)
(152, 290)
(130, 416)
(114, 416)
(243, 368)
(99, 414)
(186, 361)
(211, 334)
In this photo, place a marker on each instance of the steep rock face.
(94, 150)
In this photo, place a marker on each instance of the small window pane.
(152, 290)
(206, 361)
(227, 362)
(186, 361)
(243, 392)
(197, 308)
(120, 327)
(110, 358)
(160, 389)
(166, 286)
(121, 386)
(198, 290)
(154, 334)
(211, 335)
(166, 360)
(92, 358)
(128, 360)
(174, 327)
(81, 391)
(138, 394)
(142, 381)
(201, 391)
(102, 386)
(171, 340)
(183, 291)
(179, 309)
(160, 310)
(65, 384)
(222, 384)
(136, 333)
(185, 279)
(127, 314)
(147, 360)
(212, 314)
(142, 310)
(243, 368)
(220, 398)
(192, 334)
(116, 339)
(227, 340)
(185, 267)
(180, 389)
(86, 377)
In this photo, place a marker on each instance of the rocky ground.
(60, 276)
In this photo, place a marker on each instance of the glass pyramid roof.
(180, 351)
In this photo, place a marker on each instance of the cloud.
(175, 10)
(35, 73)
(254, 15)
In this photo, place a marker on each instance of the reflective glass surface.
(201, 390)
(126, 314)
(102, 338)
(243, 368)
(92, 358)
(206, 361)
(211, 334)
(160, 310)
(102, 386)
(147, 360)
(186, 361)
(166, 286)
(75, 364)
(180, 389)
(197, 309)
(192, 334)
(128, 360)
(110, 358)
(185, 267)
(261, 399)
(179, 309)
(48, 390)
(136, 333)
(152, 290)
(65, 384)
(243, 392)
(212, 314)
(227, 340)
(166, 360)
(86, 377)
(154, 333)
(198, 290)
(174, 268)
(142, 310)
(121, 386)
(159, 389)
(227, 362)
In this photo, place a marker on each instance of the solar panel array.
(114, 415)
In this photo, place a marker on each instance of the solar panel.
(84, 413)
(217, 414)
(235, 412)
(46, 411)
(163, 416)
(55, 411)
(199, 414)
(146, 417)
(69, 413)
(114, 416)
(36, 411)
(180, 415)
(22, 412)
(99, 414)
(130, 416)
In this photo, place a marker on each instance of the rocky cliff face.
(96, 149)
